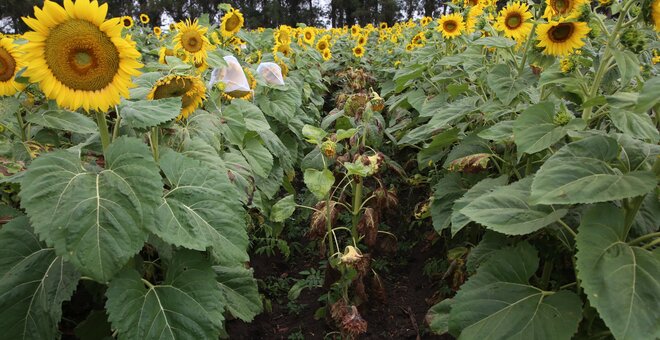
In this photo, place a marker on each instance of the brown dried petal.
(353, 323)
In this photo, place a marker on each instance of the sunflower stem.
(521, 67)
(115, 128)
(21, 125)
(103, 130)
(154, 142)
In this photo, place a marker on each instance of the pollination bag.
(271, 72)
(236, 83)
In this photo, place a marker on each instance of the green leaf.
(490, 243)
(33, 284)
(342, 134)
(637, 125)
(147, 113)
(63, 120)
(313, 134)
(186, 305)
(535, 131)
(254, 118)
(201, 210)
(506, 88)
(621, 281)
(498, 302)
(500, 132)
(628, 65)
(319, 182)
(648, 96)
(495, 42)
(580, 172)
(260, 159)
(438, 316)
(458, 220)
(280, 104)
(96, 219)
(283, 209)
(433, 152)
(445, 193)
(240, 294)
(507, 210)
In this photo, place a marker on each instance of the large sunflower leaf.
(581, 172)
(458, 220)
(95, 219)
(534, 130)
(507, 210)
(201, 209)
(621, 281)
(186, 305)
(240, 293)
(63, 120)
(498, 302)
(260, 159)
(33, 284)
(147, 113)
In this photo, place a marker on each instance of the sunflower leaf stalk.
(104, 133)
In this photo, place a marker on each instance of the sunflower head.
(144, 18)
(322, 44)
(78, 58)
(158, 31)
(309, 35)
(11, 61)
(231, 23)
(451, 25)
(327, 55)
(127, 21)
(569, 9)
(362, 40)
(285, 49)
(358, 51)
(190, 88)
(655, 14)
(191, 38)
(383, 25)
(561, 38)
(513, 21)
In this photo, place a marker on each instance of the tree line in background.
(257, 13)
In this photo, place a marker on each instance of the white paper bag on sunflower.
(271, 72)
(236, 83)
(217, 75)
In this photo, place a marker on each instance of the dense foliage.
(140, 164)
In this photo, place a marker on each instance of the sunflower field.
(198, 180)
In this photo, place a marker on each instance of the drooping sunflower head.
(231, 23)
(561, 38)
(78, 58)
(285, 49)
(127, 21)
(11, 61)
(191, 38)
(451, 25)
(513, 21)
(568, 9)
(144, 18)
(358, 51)
(191, 89)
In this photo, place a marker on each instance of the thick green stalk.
(357, 203)
(103, 130)
(154, 142)
(21, 125)
(328, 224)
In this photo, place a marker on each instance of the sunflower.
(127, 21)
(569, 9)
(285, 49)
(362, 40)
(451, 25)
(231, 23)
(192, 39)
(283, 34)
(473, 14)
(561, 38)
(383, 25)
(358, 51)
(191, 90)
(309, 35)
(513, 20)
(410, 47)
(158, 31)
(327, 55)
(78, 58)
(164, 52)
(322, 44)
(11, 61)
(655, 14)
(355, 30)
(252, 82)
(172, 27)
(144, 18)
(425, 21)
